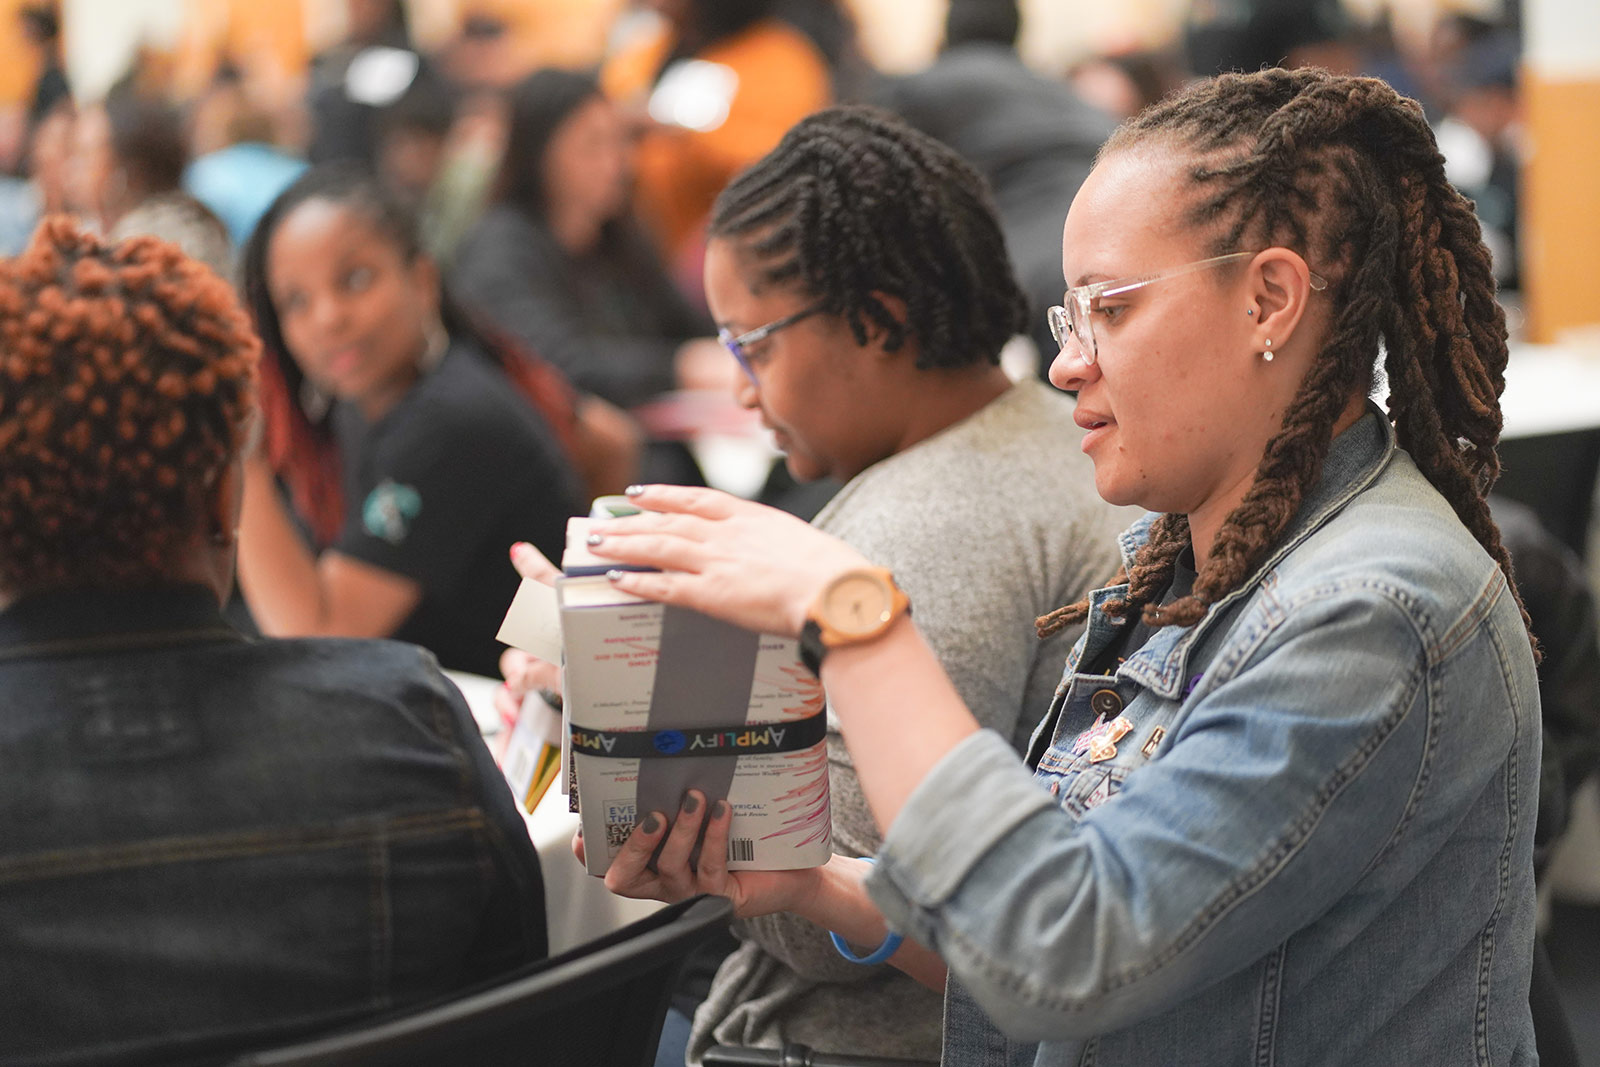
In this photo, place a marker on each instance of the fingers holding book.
(744, 563)
(687, 500)
(523, 672)
(688, 855)
(531, 563)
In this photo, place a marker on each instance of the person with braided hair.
(1281, 807)
(874, 368)
(211, 843)
(878, 252)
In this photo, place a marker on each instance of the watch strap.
(811, 647)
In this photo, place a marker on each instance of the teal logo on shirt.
(389, 511)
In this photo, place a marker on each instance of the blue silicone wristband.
(878, 955)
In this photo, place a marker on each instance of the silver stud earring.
(1250, 311)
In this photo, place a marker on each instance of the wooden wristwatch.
(859, 605)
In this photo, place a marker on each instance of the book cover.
(658, 700)
(661, 699)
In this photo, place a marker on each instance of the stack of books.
(660, 699)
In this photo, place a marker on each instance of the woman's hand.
(523, 673)
(747, 564)
(673, 879)
(530, 563)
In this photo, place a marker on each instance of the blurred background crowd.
(107, 106)
(562, 155)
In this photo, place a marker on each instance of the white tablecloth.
(578, 907)
(1551, 389)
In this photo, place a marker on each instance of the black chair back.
(599, 1005)
(797, 1055)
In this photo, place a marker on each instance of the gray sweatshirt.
(986, 525)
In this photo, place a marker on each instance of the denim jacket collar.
(99, 620)
(1355, 458)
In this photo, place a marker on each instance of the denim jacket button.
(1106, 702)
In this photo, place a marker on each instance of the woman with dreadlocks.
(1281, 808)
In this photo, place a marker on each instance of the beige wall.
(1561, 213)
(903, 35)
(102, 37)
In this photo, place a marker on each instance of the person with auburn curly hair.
(1281, 808)
(210, 842)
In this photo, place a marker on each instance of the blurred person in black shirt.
(558, 261)
(409, 454)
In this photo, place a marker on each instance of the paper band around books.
(794, 735)
(688, 693)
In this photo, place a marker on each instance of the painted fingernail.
(594, 539)
(633, 490)
(613, 575)
(719, 809)
(691, 804)
(651, 824)
(518, 549)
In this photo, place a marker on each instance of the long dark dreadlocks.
(1346, 172)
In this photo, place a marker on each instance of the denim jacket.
(1307, 839)
(211, 843)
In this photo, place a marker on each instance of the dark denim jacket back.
(212, 842)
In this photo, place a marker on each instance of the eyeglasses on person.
(736, 345)
(1074, 317)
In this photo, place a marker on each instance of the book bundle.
(659, 699)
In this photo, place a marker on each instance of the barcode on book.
(742, 849)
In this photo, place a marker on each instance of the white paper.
(533, 622)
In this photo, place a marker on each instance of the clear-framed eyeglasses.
(1074, 318)
(736, 345)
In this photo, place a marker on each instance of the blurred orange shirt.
(782, 79)
(268, 41)
(18, 72)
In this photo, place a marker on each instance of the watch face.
(858, 604)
